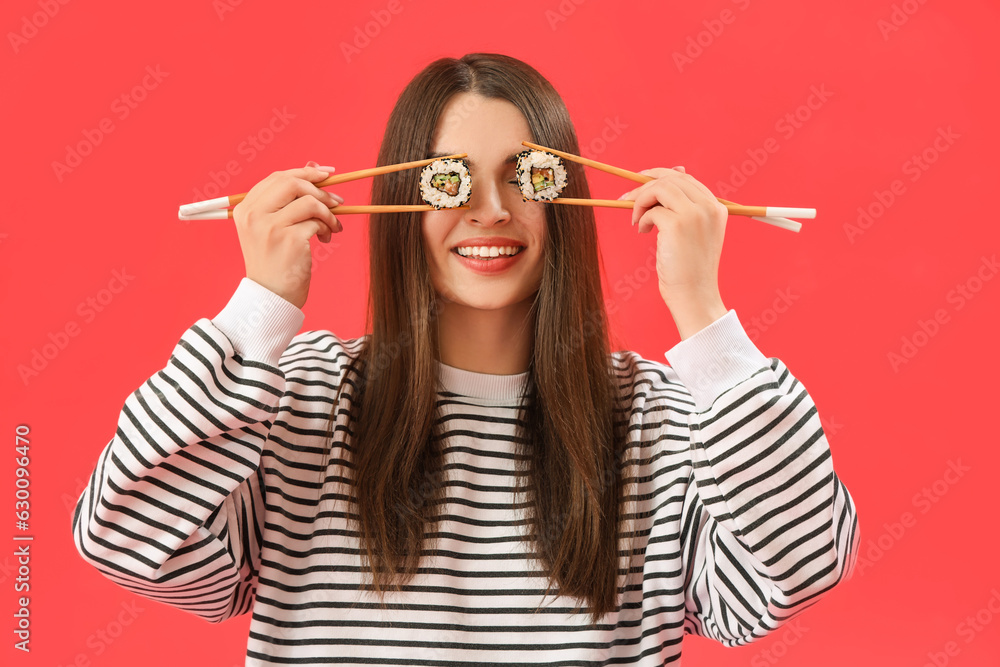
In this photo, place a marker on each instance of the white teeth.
(487, 251)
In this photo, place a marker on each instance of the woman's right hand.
(275, 222)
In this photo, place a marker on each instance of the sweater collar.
(481, 385)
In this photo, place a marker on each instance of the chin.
(484, 304)
(481, 300)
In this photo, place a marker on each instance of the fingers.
(661, 192)
(309, 209)
(694, 181)
(275, 223)
(329, 170)
(655, 172)
(673, 189)
(688, 184)
(289, 198)
(657, 216)
(311, 227)
(281, 188)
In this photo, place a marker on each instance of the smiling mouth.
(502, 251)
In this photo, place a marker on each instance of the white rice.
(543, 160)
(439, 199)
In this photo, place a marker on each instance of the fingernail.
(340, 200)
(329, 169)
(681, 169)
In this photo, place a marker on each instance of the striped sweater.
(208, 498)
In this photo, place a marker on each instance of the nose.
(486, 206)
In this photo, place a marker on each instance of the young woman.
(478, 480)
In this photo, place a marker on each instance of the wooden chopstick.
(757, 212)
(187, 210)
(777, 221)
(734, 209)
(617, 171)
(606, 203)
(227, 213)
(754, 212)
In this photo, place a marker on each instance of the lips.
(489, 241)
(489, 267)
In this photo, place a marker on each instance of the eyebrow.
(510, 159)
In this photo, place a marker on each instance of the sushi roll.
(446, 183)
(541, 175)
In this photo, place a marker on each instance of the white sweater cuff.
(715, 359)
(259, 323)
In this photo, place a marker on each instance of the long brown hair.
(571, 426)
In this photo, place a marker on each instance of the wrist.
(292, 296)
(694, 314)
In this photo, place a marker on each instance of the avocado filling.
(542, 178)
(446, 183)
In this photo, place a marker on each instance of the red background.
(850, 302)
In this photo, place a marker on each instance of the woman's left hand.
(691, 226)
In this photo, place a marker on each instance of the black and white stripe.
(210, 498)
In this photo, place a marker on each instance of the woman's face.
(490, 131)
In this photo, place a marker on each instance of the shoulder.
(320, 350)
(645, 382)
